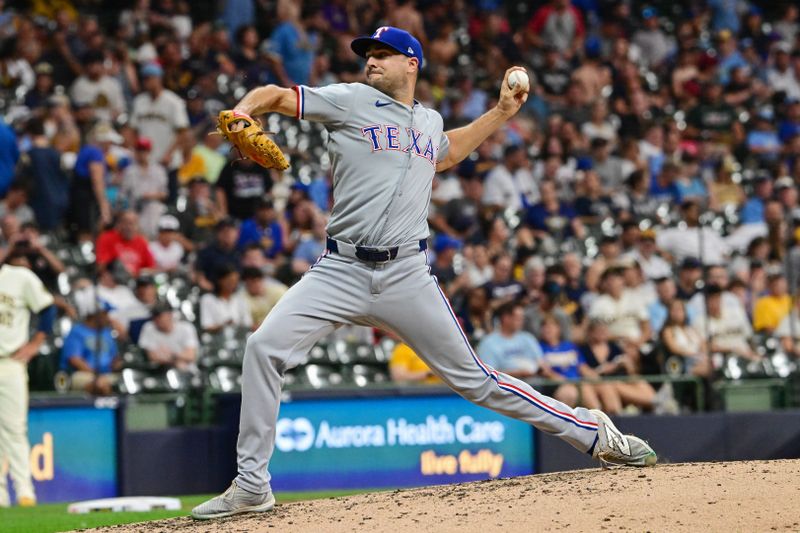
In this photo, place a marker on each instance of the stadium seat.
(364, 375)
(225, 379)
(321, 376)
(136, 381)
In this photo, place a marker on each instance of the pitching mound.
(742, 496)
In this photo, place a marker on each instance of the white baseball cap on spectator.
(168, 223)
(104, 132)
(784, 182)
(88, 302)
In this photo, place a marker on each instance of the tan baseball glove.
(246, 135)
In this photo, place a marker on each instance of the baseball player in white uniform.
(385, 148)
(20, 293)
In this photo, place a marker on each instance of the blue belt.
(369, 254)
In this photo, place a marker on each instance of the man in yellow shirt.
(406, 366)
(774, 307)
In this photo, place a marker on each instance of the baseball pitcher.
(385, 148)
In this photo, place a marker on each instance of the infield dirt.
(740, 496)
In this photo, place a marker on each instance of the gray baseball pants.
(399, 296)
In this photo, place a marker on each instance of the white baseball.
(519, 77)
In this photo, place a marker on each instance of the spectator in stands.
(49, 184)
(96, 88)
(10, 231)
(715, 275)
(221, 252)
(446, 248)
(788, 332)
(771, 309)
(610, 249)
(170, 245)
(226, 306)
(405, 366)
(559, 24)
(690, 273)
(635, 283)
(264, 229)
(160, 115)
(93, 174)
(496, 237)
(608, 358)
(310, 246)
(503, 287)
(635, 200)
(90, 352)
(261, 293)
(293, 43)
(202, 212)
(510, 184)
(241, 188)
(781, 76)
(478, 265)
(144, 187)
(205, 159)
(167, 341)
(124, 243)
(475, 316)
(16, 203)
(562, 360)
(683, 242)
(654, 45)
(645, 254)
(728, 332)
(548, 304)
(681, 339)
(509, 349)
(553, 218)
(593, 204)
(38, 96)
(129, 319)
(461, 217)
(39, 258)
(625, 315)
(762, 140)
(9, 155)
(658, 310)
(753, 209)
(111, 286)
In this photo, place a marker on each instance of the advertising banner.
(395, 442)
(73, 453)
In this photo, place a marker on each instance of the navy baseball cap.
(395, 38)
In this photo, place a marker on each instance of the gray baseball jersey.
(384, 155)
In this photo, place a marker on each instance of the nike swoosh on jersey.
(378, 103)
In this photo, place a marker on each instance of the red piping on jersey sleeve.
(297, 111)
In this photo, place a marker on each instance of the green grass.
(46, 518)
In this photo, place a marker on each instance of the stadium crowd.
(639, 215)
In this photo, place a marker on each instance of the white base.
(130, 503)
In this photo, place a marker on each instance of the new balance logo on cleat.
(615, 440)
(615, 449)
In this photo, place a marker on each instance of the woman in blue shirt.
(562, 360)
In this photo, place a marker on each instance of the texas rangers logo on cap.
(395, 38)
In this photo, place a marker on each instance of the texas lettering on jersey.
(387, 137)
